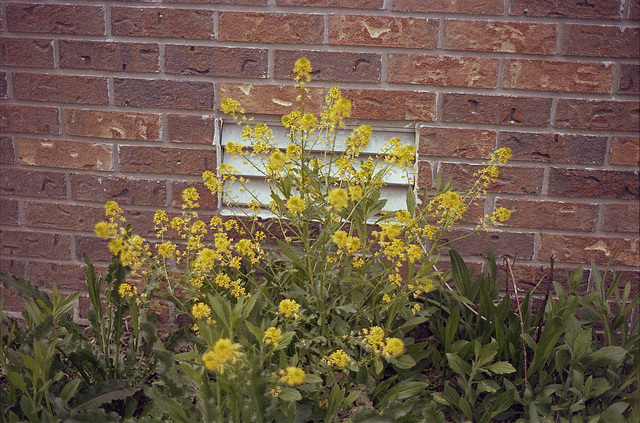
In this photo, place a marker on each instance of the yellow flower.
(190, 196)
(223, 352)
(200, 311)
(296, 205)
(293, 151)
(272, 336)
(374, 338)
(276, 162)
(338, 198)
(167, 249)
(504, 154)
(288, 307)
(500, 215)
(292, 376)
(339, 359)
(302, 69)
(414, 252)
(230, 106)
(291, 120)
(111, 208)
(308, 122)
(222, 280)
(355, 193)
(234, 148)
(125, 290)
(104, 230)
(393, 347)
(340, 238)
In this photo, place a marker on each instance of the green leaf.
(607, 356)
(289, 394)
(69, 390)
(458, 365)
(16, 380)
(501, 367)
(411, 200)
(312, 378)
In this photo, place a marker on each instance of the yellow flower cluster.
(292, 376)
(272, 336)
(128, 248)
(224, 352)
(126, 290)
(339, 358)
(376, 340)
(347, 244)
(288, 308)
(200, 311)
(296, 205)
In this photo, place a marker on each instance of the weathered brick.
(423, 174)
(385, 31)
(625, 151)
(7, 150)
(9, 211)
(586, 249)
(96, 248)
(56, 19)
(286, 28)
(185, 161)
(14, 266)
(353, 4)
(629, 82)
(601, 9)
(634, 10)
(162, 22)
(593, 183)
(501, 244)
(555, 148)
(110, 56)
(232, 2)
(391, 104)
(64, 275)
(604, 115)
(555, 75)
(512, 179)
(561, 215)
(34, 244)
(527, 277)
(481, 7)
(62, 88)
(504, 37)
(123, 190)
(271, 99)
(443, 70)
(32, 183)
(196, 129)
(29, 119)
(163, 93)
(216, 61)
(600, 40)
(112, 125)
(65, 154)
(496, 110)
(12, 302)
(330, 66)
(3, 85)
(28, 52)
(207, 200)
(455, 142)
(621, 218)
(48, 215)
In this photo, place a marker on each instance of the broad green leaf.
(501, 367)
(405, 362)
(69, 390)
(458, 365)
(607, 356)
(16, 380)
(289, 394)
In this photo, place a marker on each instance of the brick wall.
(117, 100)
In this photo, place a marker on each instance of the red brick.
(603, 115)
(123, 190)
(602, 9)
(503, 37)
(11, 300)
(7, 150)
(28, 52)
(271, 99)
(586, 249)
(13, 266)
(512, 180)
(629, 82)
(423, 173)
(112, 125)
(634, 10)
(62, 88)
(528, 276)
(391, 104)
(561, 215)
(64, 275)
(65, 154)
(555, 75)
(496, 110)
(625, 151)
(3, 85)
(384, 31)
(501, 243)
(9, 211)
(34, 244)
(62, 216)
(455, 142)
(56, 19)
(196, 129)
(443, 70)
(207, 200)
(96, 248)
(481, 7)
(163, 93)
(621, 218)
(555, 148)
(29, 119)
(184, 161)
(232, 2)
(32, 183)
(216, 61)
(600, 40)
(286, 28)
(162, 22)
(110, 56)
(330, 66)
(353, 4)
(591, 183)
